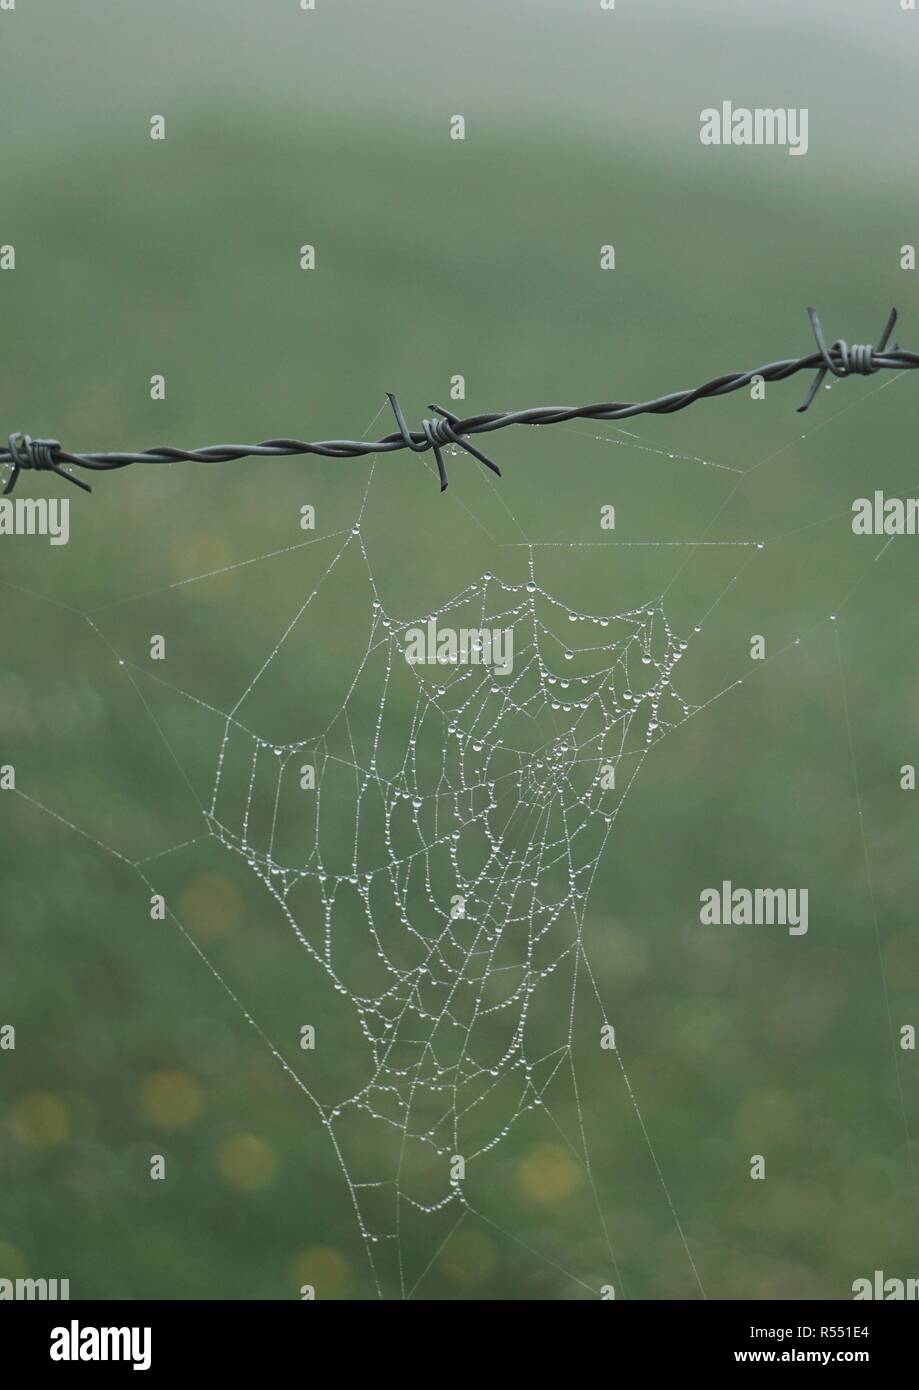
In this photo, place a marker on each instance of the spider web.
(473, 832)
(437, 871)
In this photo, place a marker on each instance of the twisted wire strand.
(840, 359)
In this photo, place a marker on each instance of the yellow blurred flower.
(320, 1266)
(203, 554)
(171, 1099)
(209, 905)
(469, 1257)
(40, 1119)
(13, 1264)
(548, 1173)
(247, 1162)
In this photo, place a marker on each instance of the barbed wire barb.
(25, 454)
(861, 359)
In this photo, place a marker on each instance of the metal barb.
(839, 359)
(37, 455)
(842, 360)
(437, 433)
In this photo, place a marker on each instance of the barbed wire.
(47, 455)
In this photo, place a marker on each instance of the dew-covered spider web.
(421, 797)
(459, 842)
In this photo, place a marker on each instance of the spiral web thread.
(499, 791)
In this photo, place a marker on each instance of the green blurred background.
(434, 258)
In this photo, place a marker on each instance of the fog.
(638, 74)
